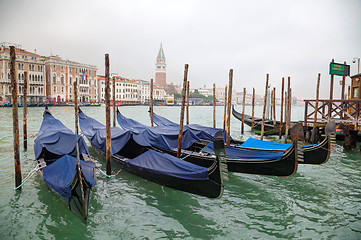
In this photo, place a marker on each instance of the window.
(54, 89)
(62, 79)
(70, 80)
(54, 79)
(41, 78)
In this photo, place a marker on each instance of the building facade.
(25, 61)
(60, 76)
(126, 90)
(161, 69)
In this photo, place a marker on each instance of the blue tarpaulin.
(202, 132)
(165, 164)
(265, 145)
(160, 136)
(238, 153)
(96, 133)
(60, 173)
(57, 138)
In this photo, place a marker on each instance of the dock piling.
(281, 118)
(225, 108)
(187, 108)
(25, 110)
(253, 103)
(108, 152)
(264, 107)
(316, 109)
(243, 109)
(14, 99)
(214, 105)
(113, 97)
(151, 103)
(228, 131)
(180, 136)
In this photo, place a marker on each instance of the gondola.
(312, 154)
(136, 156)
(238, 160)
(269, 127)
(56, 155)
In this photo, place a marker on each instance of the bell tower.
(160, 68)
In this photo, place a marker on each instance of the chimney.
(35, 51)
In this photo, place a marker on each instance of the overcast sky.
(282, 38)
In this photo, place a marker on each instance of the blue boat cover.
(160, 136)
(165, 164)
(96, 133)
(238, 153)
(260, 144)
(202, 132)
(60, 173)
(57, 138)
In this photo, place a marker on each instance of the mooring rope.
(109, 176)
(34, 135)
(30, 174)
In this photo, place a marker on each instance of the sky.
(284, 38)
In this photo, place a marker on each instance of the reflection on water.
(318, 202)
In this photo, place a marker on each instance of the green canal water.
(318, 202)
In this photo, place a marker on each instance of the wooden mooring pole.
(108, 152)
(114, 112)
(14, 99)
(228, 131)
(214, 105)
(331, 84)
(151, 103)
(187, 108)
(180, 136)
(264, 106)
(25, 110)
(316, 109)
(253, 103)
(243, 109)
(274, 107)
(225, 108)
(288, 112)
(282, 96)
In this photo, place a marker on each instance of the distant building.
(60, 76)
(355, 86)
(143, 91)
(25, 61)
(126, 90)
(160, 69)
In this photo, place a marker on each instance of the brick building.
(60, 75)
(26, 61)
(160, 69)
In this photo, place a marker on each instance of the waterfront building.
(143, 91)
(27, 61)
(160, 69)
(60, 76)
(126, 90)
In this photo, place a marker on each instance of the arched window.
(22, 66)
(22, 76)
(8, 76)
(41, 78)
(29, 77)
(19, 76)
(62, 79)
(54, 78)
(36, 78)
(33, 78)
(70, 80)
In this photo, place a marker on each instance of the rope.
(110, 176)
(27, 177)
(34, 135)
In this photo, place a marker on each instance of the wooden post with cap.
(228, 126)
(108, 152)
(25, 110)
(180, 136)
(14, 99)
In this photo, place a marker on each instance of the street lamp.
(358, 63)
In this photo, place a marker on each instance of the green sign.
(339, 69)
